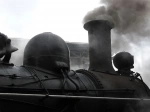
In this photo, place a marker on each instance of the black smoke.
(129, 16)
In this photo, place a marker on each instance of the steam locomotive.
(45, 82)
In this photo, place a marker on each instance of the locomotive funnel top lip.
(88, 25)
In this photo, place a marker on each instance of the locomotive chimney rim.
(99, 32)
(91, 24)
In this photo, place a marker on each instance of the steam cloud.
(131, 32)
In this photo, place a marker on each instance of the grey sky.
(26, 18)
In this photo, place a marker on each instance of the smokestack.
(100, 45)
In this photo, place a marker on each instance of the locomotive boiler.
(46, 83)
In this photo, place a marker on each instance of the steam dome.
(123, 60)
(44, 51)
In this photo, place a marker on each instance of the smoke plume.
(129, 16)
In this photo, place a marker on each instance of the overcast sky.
(26, 18)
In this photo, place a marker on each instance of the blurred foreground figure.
(5, 48)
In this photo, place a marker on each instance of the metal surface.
(44, 51)
(29, 80)
(100, 45)
(74, 97)
(123, 60)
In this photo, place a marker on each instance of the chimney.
(100, 45)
